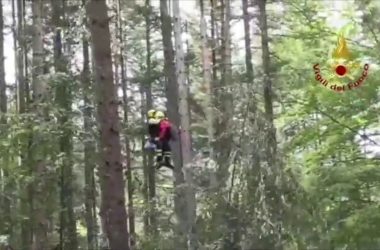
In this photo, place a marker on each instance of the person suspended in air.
(163, 151)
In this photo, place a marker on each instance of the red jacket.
(165, 130)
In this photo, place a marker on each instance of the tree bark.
(214, 41)
(183, 209)
(113, 194)
(224, 130)
(68, 235)
(207, 79)
(225, 96)
(29, 209)
(130, 186)
(23, 92)
(3, 96)
(14, 36)
(147, 89)
(6, 192)
(266, 64)
(273, 189)
(247, 42)
(145, 187)
(27, 76)
(172, 110)
(20, 57)
(251, 110)
(185, 136)
(40, 226)
(251, 102)
(89, 151)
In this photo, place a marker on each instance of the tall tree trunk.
(113, 193)
(5, 192)
(26, 227)
(130, 185)
(172, 108)
(266, 66)
(187, 57)
(247, 42)
(40, 225)
(185, 137)
(11, 184)
(145, 186)
(20, 57)
(28, 78)
(224, 129)
(225, 97)
(215, 68)
(3, 96)
(214, 38)
(14, 37)
(207, 79)
(151, 170)
(251, 103)
(232, 239)
(184, 200)
(89, 150)
(103, 241)
(273, 190)
(249, 70)
(68, 235)
(251, 110)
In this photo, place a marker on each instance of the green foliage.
(331, 189)
(340, 183)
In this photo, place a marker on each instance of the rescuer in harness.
(163, 150)
(160, 133)
(153, 130)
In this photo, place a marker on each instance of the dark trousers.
(163, 153)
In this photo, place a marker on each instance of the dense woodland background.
(265, 158)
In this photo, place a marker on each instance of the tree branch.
(363, 136)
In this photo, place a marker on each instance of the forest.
(273, 103)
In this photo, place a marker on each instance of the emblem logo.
(343, 68)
